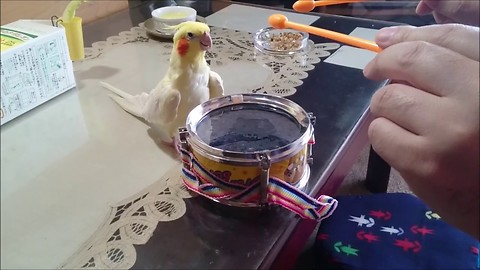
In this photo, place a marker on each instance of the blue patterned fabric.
(391, 231)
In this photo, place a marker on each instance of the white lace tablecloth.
(135, 62)
(233, 56)
(132, 222)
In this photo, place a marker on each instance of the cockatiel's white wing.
(215, 84)
(159, 108)
(162, 107)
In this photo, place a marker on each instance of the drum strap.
(201, 181)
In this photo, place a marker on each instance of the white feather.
(215, 83)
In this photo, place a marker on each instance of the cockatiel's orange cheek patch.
(182, 46)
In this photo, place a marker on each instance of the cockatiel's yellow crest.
(187, 83)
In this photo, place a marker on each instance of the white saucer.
(149, 26)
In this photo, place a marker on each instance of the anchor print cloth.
(391, 231)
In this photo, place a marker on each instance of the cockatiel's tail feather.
(116, 90)
(215, 84)
(131, 104)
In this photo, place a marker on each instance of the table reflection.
(76, 162)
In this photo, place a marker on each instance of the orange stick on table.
(309, 5)
(280, 21)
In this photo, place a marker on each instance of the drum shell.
(288, 163)
(290, 168)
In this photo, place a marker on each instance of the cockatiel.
(187, 83)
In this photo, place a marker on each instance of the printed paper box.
(35, 66)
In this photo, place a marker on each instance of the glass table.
(84, 184)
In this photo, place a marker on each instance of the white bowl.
(166, 17)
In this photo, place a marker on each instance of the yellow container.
(74, 33)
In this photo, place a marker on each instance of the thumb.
(423, 8)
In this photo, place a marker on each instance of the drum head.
(249, 128)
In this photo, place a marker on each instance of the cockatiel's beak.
(205, 41)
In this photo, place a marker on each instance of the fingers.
(460, 11)
(405, 106)
(425, 66)
(442, 19)
(396, 145)
(462, 39)
(423, 8)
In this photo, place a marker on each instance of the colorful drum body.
(247, 138)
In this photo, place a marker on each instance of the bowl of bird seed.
(280, 41)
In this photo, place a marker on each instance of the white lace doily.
(132, 222)
(232, 49)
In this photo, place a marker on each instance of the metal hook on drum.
(264, 164)
(311, 142)
(183, 134)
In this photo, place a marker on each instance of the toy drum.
(232, 146)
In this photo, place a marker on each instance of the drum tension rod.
(264, 177)
(313, 119)
(182, 134)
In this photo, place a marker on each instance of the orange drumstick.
(309, 5)
(279, 21)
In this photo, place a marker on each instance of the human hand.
(451, 11)
(428, 126)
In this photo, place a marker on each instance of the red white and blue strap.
(279, 192)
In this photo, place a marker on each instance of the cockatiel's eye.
(189, 35)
